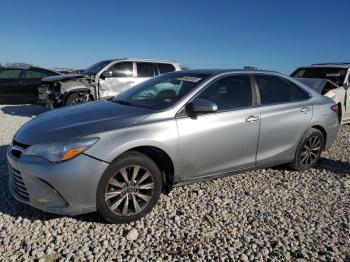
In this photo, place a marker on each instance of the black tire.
(301, 160)
(127, 162)
(73, 99)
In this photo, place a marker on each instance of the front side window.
(10, 74)
(273, 90)
(32, 74)
(145, 69)
(229, 93)
(162, 91)
(123, 69)
(165, 68)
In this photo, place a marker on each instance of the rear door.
(285, 115)
(10, 89)
(30, 81)
(144, 71)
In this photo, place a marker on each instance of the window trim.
(290, 91)
(183, 114)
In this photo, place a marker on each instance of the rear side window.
(273, 90)
(32, 74)
(145, 69)
(297, 93)
(10, 74)
(165, 68)
(123, 69)
(229, 93)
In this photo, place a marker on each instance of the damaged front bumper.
(49, 96)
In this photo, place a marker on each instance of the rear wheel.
(309, 150)
(129, 188)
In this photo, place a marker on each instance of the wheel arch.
(162, 159)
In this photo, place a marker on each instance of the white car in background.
(102, 80)
(329, 79)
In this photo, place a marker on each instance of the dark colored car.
(20, 84)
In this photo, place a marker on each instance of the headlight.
(57, 152)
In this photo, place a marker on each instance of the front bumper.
(67, 188)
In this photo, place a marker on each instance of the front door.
(118, 77)
(222, 141)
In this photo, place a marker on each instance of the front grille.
(16, 182)
(18, 148)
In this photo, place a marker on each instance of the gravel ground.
(272, 214)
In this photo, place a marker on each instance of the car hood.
(317, 84)
(79, 121)
(63, 77)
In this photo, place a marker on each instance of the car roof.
(338, 65)
(142, 60)
(221, 71)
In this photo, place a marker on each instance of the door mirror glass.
(201, 106)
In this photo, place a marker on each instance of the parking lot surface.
(272, 214)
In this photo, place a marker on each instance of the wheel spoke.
(143, 196)
(146, 186)
(304, 158)
(126, 206)
(125, 175)
(135, 173)
(112, 194)
(136, 204)
(117, 203)
(116, 183)
(143, 178)
(316, 149)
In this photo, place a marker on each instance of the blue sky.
(277, 35)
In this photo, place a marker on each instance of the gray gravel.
(272, 214)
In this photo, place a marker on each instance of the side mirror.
(106, 74)
(201, 106)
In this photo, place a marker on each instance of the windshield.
(162, 91)
(334, 74)
(95, 68)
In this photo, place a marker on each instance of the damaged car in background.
(102, 80)
(329, 79)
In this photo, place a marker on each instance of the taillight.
(335, 108)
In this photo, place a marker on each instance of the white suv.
(101, 80)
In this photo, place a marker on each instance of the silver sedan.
(118, 156)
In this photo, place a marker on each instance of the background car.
(329, 79)
(101, 80)
(118, 156)
(19, 82)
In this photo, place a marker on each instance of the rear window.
(297, 93)
(165, 68)
(32, 74)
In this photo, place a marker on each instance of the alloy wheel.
(79, 100)
(310, 151)
(129, 190)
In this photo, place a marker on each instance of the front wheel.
(309, 150)
(129, 188)
(76, 99)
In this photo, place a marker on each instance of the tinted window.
(229, 93)
(145, 70)
(273, 90)
(10, 74)
(123, 69)
(297, 93)
(32, 74)
(165, 68)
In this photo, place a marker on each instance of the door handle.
(251, 119)
(130, 82)
(305, 109)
